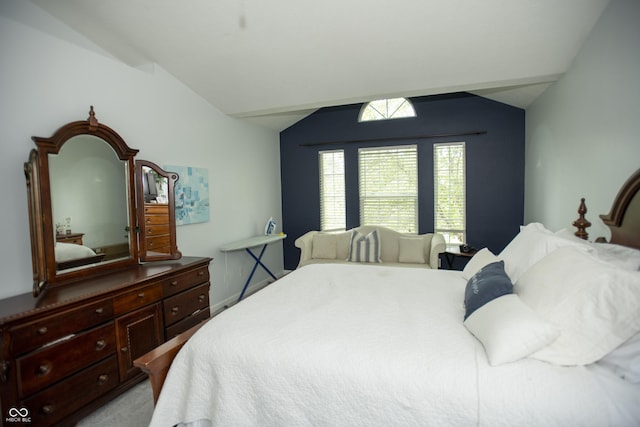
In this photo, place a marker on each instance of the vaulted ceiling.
(276, 61)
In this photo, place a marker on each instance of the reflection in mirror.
(156, 212)
(157, 240)
(154, 187)
(89, 203)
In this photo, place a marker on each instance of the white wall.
(47, 80)
(583, 133)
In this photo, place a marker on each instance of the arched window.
(384, 109)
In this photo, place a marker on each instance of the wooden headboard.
(624, 218)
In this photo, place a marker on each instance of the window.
(332, 193)
(384, 109)
(389, 187)
(449, 191)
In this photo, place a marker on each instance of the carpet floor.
(131, 409)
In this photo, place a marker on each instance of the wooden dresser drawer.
(137, 298)
(62, 399)
(32, 335)
(182, 305)
(156, 230)
(43, 367)
(181, 282)
(158, 243)
(151, 220)
(186, 323)
(156, 209)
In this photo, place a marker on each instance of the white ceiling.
(276, 61)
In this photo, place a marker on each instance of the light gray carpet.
(131, 409)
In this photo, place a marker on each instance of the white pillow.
(533, 243)
(324, 246)
(365, 248)
(624, 361)
(411, 250)
(509, 330)
(621, 256)
(479, 260)
(592, 303)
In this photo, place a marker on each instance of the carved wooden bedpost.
(581, 223)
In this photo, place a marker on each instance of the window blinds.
(332, 191)
(389, 187)
(450, 191)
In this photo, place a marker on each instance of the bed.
(545, 333)
(71, 255)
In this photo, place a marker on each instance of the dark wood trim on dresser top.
(71, 350)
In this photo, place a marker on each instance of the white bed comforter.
(352, 345)
(70, 251)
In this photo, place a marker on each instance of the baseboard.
(221, 306)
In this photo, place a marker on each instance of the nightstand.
(453, 251)
(75, 238)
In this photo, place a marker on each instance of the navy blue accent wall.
(494, 162)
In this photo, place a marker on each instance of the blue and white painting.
(191, 194)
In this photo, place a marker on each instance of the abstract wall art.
(191, 194)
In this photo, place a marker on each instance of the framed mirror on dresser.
(109, 283)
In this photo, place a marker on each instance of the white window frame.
(453, 228)
(333, 215)
(386, 109)
(375, 190)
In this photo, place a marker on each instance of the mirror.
(156, 212)
(87, 200)
(89, 203)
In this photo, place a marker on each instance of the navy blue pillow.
(487, 284)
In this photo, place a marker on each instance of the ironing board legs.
(253, 270)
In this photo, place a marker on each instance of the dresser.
(156, 224)
(72, 349)
(75, 238)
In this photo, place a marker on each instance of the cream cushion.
(411, 250)
(324, 246)
(331, 246)
(343, 240)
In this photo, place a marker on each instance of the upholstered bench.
(374, 245)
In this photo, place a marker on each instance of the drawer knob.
(201, 297)
(43, 330)
(99, 310)
(200, 273)
(100, 345)
(149, 230)
(174, 283)
(47, 409)
(102, 379)
(141, 295)
(175, 310)
(124, 349)
(43, 370)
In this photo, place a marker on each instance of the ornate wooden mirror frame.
(46, 270)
